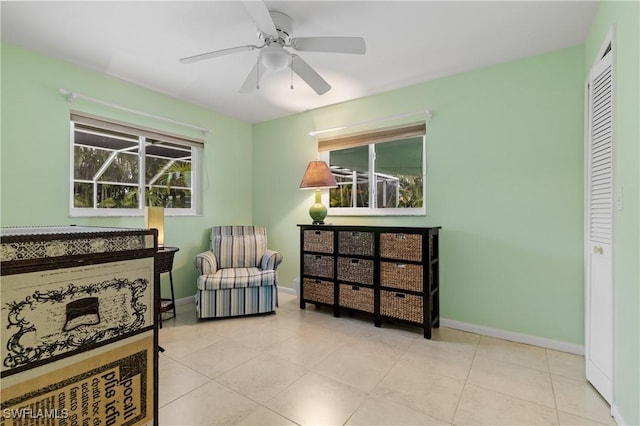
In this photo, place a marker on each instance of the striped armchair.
(238, 275)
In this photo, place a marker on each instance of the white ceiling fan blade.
(216, 53)
(252, 82)
(309, 75)
(261, 17)
(330, 44)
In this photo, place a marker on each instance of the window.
(118, 169)
(379, 172)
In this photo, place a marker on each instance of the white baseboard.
(543, 342)
(617, 416)
(514, 337)
(185, 300)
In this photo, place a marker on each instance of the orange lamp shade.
(317, 176)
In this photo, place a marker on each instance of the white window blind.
(372, 137)
(121, 127)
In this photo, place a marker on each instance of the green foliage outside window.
(117, 185)
(410, 191)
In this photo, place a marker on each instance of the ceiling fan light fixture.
(275, 32)
(275, 58)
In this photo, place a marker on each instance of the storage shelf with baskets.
(391, 273)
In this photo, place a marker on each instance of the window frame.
(196, 147)
(377, 137)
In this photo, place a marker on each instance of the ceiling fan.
(275, 31)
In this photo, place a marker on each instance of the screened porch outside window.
(118, 170)
(378, 173)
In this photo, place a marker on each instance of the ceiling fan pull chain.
(258, 74)
(291, 67)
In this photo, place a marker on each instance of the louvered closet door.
(599, 228)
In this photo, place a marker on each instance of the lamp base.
(317, 211)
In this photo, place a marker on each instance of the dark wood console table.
(389, 272)
(164, 264)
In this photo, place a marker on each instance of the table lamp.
(318, 176)
(154, 219)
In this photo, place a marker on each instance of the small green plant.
(410, 191)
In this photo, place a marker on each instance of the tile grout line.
(553, 389)
(187, 393)
(306, 368)
(366, 395)
(184, 395)
(466, 380)
(370, 393)
(261, 352)
(261, 404)
(516, 397)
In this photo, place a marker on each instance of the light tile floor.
(306, 367)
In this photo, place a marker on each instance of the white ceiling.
(407, 43)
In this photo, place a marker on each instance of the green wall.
(626, 18)
(504, 180)
(35, 152)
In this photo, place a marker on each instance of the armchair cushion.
(238, 246)
(237, 278)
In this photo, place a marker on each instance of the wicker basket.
(318, 241)
(355, 242)
(401, 306)
(403, 276)
(318, 265)
(401, 246)
(317, 291)
(356, 270)
(164, 261)
(356, 297)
